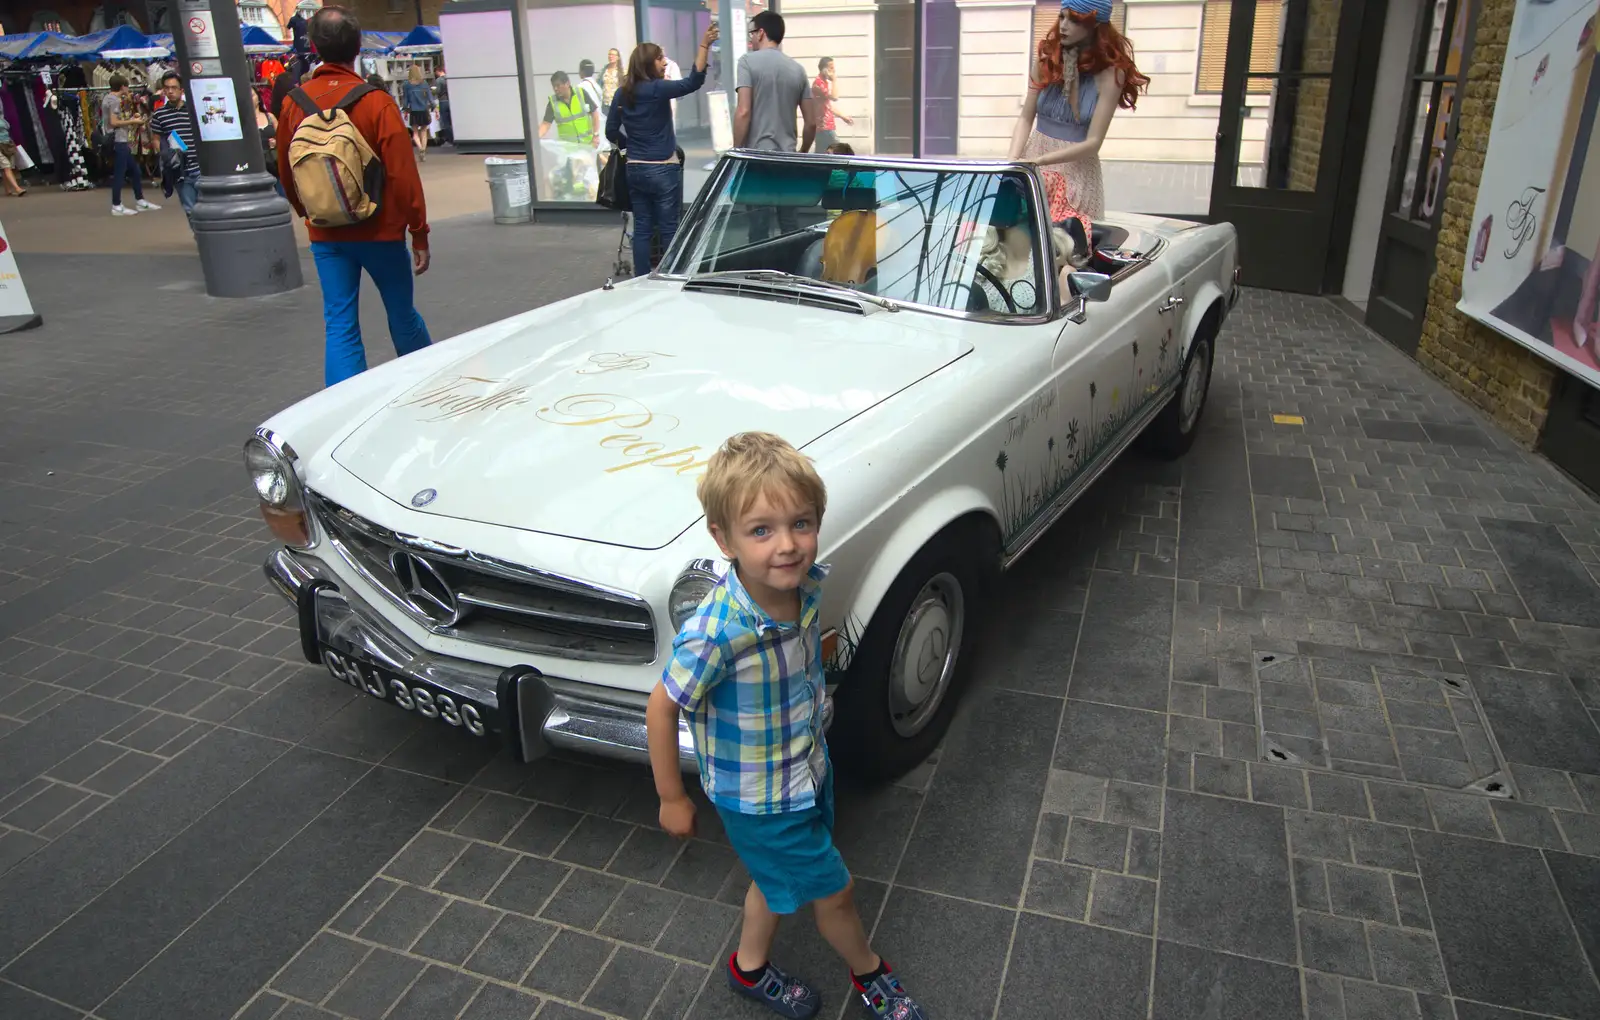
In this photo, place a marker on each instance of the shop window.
(1214, 27)
(1047, 13)
(1433, 106)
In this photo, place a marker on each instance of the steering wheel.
(978, 267)
(1005, 295)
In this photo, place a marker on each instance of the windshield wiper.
(795, 278)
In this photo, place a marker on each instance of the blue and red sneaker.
(886, 999)
(784, 995)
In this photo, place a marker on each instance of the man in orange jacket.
(377, 244)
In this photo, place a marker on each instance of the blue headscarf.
(1101, 9)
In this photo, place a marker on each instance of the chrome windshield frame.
(1055, 305)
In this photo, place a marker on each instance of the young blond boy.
(747, 669)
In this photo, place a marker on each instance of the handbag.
(613, 190)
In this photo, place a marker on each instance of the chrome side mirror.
(1090, 286)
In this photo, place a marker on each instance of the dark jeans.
(655, 189)
(339, 265)
(761, 218)
(124, 163)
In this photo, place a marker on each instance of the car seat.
(849, 253)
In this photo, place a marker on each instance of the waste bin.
(509, 191)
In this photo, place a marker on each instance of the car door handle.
(1171, 303)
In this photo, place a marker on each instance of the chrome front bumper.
(532, 711)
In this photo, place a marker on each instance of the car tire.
(889, 714)
(1174, 430)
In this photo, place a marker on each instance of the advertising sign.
(217, 109)
(1533, 258)
(16, 311)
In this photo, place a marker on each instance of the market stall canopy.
(422, 35)
(124, 40)
(16, 47)
(380, 42)
(259, 40)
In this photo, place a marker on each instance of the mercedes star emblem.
(425, 589)
(425, 497)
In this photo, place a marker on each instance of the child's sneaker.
(784, 995)
(886, 999)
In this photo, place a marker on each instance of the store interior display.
(51, 86)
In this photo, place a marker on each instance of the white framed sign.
(16, 310)
(1533, 257)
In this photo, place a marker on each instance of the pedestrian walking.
(8, 159)
(823, 92)
(322, 185)
(771, 87)
(640, 121)
(119, 114)
(418, 101)
(746, 670)
(174, 130)
(1082, 72)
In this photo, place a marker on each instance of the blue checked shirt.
(752, 689)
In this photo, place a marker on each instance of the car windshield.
(957, 240)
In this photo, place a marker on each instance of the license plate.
(403, 692)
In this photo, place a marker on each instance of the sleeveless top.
(1055, 117)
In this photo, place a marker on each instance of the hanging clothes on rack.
(77, 140)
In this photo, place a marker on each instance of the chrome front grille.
(457, 593)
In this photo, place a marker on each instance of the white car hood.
(596, 427)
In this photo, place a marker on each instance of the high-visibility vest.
(573, 120)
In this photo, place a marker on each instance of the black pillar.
(243, 229)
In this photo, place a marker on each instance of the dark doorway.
(1424, 152)
(1293, 106)
(1571, 436)
(941, 77)
(895, 81)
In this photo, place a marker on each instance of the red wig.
(1105, 47)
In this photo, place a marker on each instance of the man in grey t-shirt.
(117, 128)
(771, 87)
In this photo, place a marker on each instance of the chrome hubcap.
(1194, 385)
(925, 654)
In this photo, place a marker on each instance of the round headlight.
(691, 589)
(272, 475)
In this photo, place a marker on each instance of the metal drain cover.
(1384, 722)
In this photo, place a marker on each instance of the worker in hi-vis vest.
(571, 111)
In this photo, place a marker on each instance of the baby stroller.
(622, 265)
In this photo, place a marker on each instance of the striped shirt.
(753, 690)
(175, 117)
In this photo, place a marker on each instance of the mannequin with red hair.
(1082, 72)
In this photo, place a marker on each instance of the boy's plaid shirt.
(753, 690)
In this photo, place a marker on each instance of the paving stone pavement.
(1209, 765)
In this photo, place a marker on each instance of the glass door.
(1286, 98)
(1421, 169)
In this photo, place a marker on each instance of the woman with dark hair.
(640, 121)
(1083, 71)
(282, 85)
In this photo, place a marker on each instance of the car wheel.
(1175, 428)
(904, 681)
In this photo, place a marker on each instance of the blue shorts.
(790, 855)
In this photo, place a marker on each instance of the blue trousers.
(188, 189)
(339, 266)
(654, 190)
(123, 164)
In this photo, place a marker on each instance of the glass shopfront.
(908, 77)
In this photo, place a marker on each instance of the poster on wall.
(1533, 256)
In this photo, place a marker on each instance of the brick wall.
(1509, 382)
(1311, 105)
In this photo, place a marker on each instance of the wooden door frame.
(1411, 233)
(1331, 205)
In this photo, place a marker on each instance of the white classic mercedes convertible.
(501, 532)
